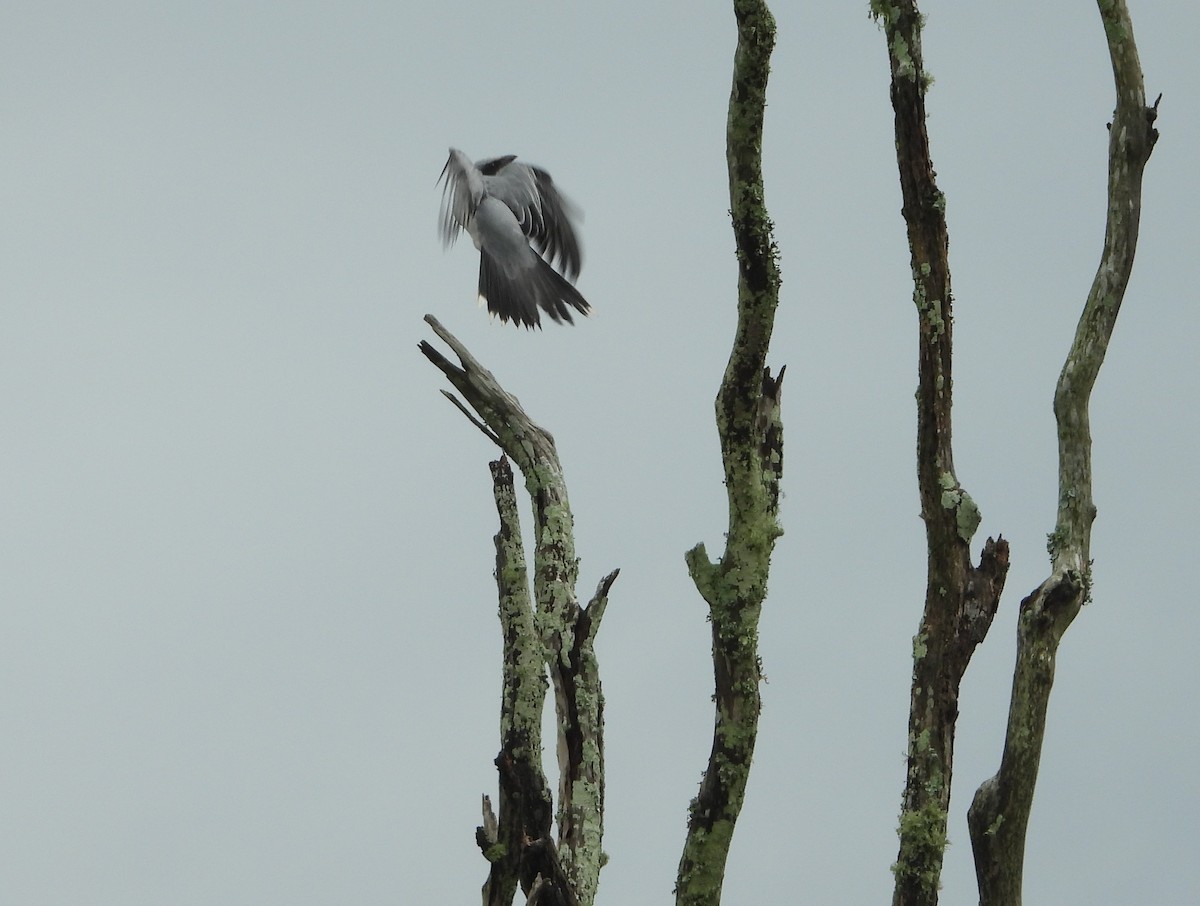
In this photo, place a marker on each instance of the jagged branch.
(999, 815)
(751, 436)
(561, 633)
(960, 598)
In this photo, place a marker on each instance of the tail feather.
(518, 296)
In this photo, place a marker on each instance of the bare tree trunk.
(560, 635)
(751, 435)
(960, 598)
(999, 814)
(525, 801)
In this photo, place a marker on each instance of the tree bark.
(960, 598)
(751, 437)
(560, 636)
(526, 806)
(999, 815)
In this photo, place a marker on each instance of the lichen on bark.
(553, 634)
(751, 436)
(960, 597)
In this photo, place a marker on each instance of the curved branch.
(999, 815)
(751, 436)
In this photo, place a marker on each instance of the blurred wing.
(461, 195)
(513, 184)
(546, 217)
(554, 234)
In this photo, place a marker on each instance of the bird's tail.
(518, 296)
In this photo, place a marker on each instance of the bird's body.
(529, 255)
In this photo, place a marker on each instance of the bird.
(524, 228)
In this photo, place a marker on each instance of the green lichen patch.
(923, 842)
(966, 512)
(920, 648)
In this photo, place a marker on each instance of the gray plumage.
(529, 255)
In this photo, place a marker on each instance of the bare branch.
(526, 807)
(751, 435)
(999, 815)
(510, 428)
(560, 636)
(462, 407)
(960, 598)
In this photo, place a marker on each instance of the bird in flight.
(529, 255)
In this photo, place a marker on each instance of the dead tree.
(999, 814)
(961, 598)
(751, 436)
(557, 633)
(550, 631)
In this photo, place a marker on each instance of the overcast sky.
(248, 644)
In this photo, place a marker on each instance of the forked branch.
(558, 634)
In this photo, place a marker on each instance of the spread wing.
(546, 216)
(461, 194)
(524, 228)
(554, 235)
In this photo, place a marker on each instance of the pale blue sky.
(248, 647)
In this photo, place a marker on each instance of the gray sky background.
(248, 649)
